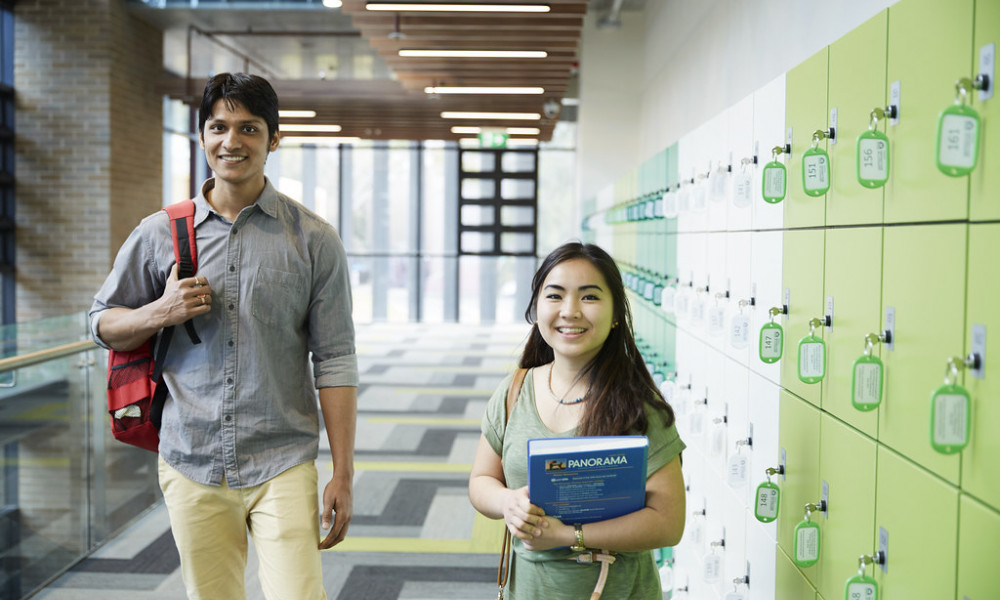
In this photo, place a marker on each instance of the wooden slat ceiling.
(398, 108)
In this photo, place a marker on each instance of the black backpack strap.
(185, 250)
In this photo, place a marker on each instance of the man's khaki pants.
(210, 527)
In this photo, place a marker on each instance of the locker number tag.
(873, 159)
(713, 568)
(739, 331)
(861, 587)
(815, 171)
(771, 342)
(866, 383)
(958, 140)
(743, 189)
(774, 182)
(766, 505)
(806, 544)
(812, 359)
(950, 418)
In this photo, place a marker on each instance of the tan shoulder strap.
(514, 390)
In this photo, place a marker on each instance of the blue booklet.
(587, 479)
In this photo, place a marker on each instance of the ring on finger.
(203, 301)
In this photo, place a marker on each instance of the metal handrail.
(39, 356)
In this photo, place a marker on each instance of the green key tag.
(768, 496)
(812, 359)
(950, 406)
(771, 342)
(815, 171)
(873, 159)
(861, 587)
(774, 182)
(866, 383)
(957, 140)
(806, 544)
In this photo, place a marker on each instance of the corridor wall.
(820, 342)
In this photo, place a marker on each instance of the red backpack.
(136, 392)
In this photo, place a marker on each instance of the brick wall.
(88, 144)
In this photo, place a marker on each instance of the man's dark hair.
(251, 91)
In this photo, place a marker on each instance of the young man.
(239, 434)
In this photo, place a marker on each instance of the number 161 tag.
(958, 140)
(861, 587)
(950, 418)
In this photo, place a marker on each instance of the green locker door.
(979, 462)
(805, 112)
(923, 281)
(798, 442)
(930, 47)
(802, 272)
(789, 582)
(854, 287)
(919, 513)
(857, 85)
(986, 181)
(847, 465)
(979, 530)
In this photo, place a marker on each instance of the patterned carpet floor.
(414, 535)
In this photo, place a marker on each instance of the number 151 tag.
(861, 587)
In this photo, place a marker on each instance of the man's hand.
(338, 509)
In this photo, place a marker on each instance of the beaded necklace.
(557, 398)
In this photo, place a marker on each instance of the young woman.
(585, 378)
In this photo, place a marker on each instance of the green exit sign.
(492, 139)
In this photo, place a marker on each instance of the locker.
(919, 514)
(803, 258)
(985, 182)
(717, 284)
(857, 85)
(692, 168)
(798, 435)
(738, 336)
(740, 149)
(979, 467)
(847, 465)
(761, 556)
(766, 291)
(922, 282)
(929, 48)
(805, 113)
(763, 415)
(716, 166)
(853, 287)
(789, 581)
(979, 530)
(727, 518)
(768, 132)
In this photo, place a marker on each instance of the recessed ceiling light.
(333, 3)
(491, 115)
(522, 142)
(483, 90)
(320, 140)
(442, 7)
(418, 53)
(310, 128)
(523, 130)
(466, 130)
(296, 114)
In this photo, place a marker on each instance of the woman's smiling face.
(575, 310)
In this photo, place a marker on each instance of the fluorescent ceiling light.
(333, 3)
(309, 128)
(320, 140)
(442, 7)
(297, 114)
(460, 129)
(522, 142)
(418, 53)
(484, 90)
(490, 115)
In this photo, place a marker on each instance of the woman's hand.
(553, 534)
(524, 520)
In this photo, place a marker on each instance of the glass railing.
(66, 485)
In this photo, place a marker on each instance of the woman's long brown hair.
(620, 385)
